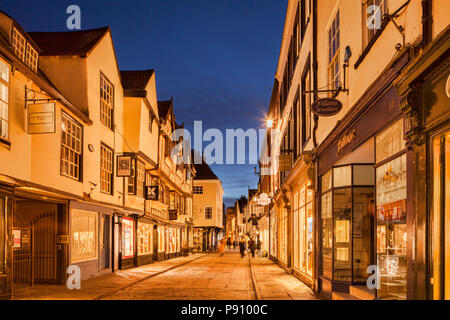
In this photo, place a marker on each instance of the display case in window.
(144, 236)
(127, 238)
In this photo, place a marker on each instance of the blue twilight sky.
(217, 58)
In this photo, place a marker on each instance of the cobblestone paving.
(207, 277)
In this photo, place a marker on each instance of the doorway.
(440, 217)
(35, 256)
(105, 244)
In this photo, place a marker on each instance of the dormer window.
(24, 50)
(31, 58)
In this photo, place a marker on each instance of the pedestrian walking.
(242, 247)
(229, 243)
(252, 247)
(258, 246)
(221, 249)
(235, 244)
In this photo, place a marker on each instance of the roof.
(136, 79)
(242, 202)
(69, 43)
(204, 172)
(164, 107)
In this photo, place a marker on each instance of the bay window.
(347, 214)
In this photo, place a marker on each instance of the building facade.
(81, 147)
(208, 208)
(365, 186)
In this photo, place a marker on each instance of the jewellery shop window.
(391, 213)
(347, 215)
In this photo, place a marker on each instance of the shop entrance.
(34, 245)
(440, 226)
(105, 238)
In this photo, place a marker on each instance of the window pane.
(391, 228)
(342, 176)
(363, 218)
(390, 141)
(363, 176)
(309, 239)
(84, 236)
(327, 181)
(342, 210)
(327, 234)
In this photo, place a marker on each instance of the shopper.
(252, 247)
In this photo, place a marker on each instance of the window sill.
(369, 46)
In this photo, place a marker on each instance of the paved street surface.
(197, 277)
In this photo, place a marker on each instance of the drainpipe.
(427, 22)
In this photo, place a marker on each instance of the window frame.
(33, 61)
(194, 188)
(206, 213)
(96, 232)
(334, 61)
(105, 79)
(107, 148)
(67, 117)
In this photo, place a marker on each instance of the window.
(306, 108)
(106, 169)
(150, 123)
(84, 236)
(71, 147)
(347, 218)
(137, 181)
(24, 50)
(208, 213)
(106, 102)
(31, 58)
(127, 238)
(4, 100)
(333, 53)
(373, 11)
(2, 234)
(18, 44)
(303, 229)
(198, 189)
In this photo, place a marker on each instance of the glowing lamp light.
(269, 123)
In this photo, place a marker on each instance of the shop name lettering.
(192, 310)
(346, 140)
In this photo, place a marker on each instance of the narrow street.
(198, 277)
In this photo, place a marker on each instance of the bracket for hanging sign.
(30, 95)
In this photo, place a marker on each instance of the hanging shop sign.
(326, 107)
(151, 193)
(125, 165)
(263, 199)
(41, 118)
(173, 214)
(285, 162)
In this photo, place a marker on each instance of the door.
(22, 258)
(440, 226)
(105, 244)
(155, 243)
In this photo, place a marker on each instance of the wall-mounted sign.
(285, 161)
(346, 140)
(41, 118)
(326, 107)
(151, 193)
(17, 239)
(263, 199)
(62, 239)
(173, 214)
(125, 166)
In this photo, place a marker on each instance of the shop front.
(273, 234)
(361, 196)
(300, 182)
(425, 90)
(145, 245)
(127, 236)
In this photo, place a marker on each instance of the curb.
(146, 278)
(255, 284)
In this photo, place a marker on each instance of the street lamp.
(269, 123)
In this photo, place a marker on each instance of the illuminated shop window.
(127, 238)
(84, 226)
(144, 235)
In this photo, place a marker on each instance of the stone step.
(343, 296)
(362, 292)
